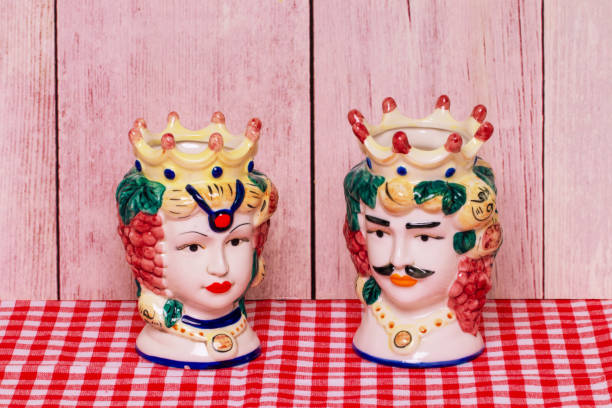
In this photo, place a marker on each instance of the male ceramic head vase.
(423, 231)
(194, 217)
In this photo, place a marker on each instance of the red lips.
(219, 287)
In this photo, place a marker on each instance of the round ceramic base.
(202, 365)
(402, 364)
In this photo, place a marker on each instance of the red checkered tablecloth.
(538, 353)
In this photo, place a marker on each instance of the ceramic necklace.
(404, 338)
(219, 334)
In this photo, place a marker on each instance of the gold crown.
(435, 147)
(178, 156)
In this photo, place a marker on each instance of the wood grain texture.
(474, 51)
(578, 183)
(27, 147)
(131, 59)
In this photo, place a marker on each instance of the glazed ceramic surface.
(423, 231)
(194, 217)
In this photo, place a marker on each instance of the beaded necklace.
(404, 338)
(219, 334)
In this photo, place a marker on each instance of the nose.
(401, 255)
(217, 265)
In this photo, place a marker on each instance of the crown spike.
(479, 113)
(453, 143)
(354, 116)
(253, 129)
(400, 143)
(172, 117)
(360, 131)
(134, 135)
(167, 141)
(140, 123)
(484, 132)
(443, 102)
(218, 118)
(215, 142)
(389, 105)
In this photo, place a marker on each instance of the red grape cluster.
(467, 295)
(140, 238)
(355, 242)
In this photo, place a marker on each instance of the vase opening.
(421, 138)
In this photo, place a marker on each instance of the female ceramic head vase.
(194, 217)
(423, 231)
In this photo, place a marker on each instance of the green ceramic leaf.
(254, 266)
(453, 194)
(371, 291)
(464, 241)
(173, 310)
(426, 190)
(136, 193)
(259, 179)
(486, 175)
(360, 185)
(453, 198)
(138, 288)
(242, 306)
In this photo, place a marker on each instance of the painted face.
(411, 255)
(207, 270)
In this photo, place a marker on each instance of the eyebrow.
(377, 220)
(193, 232)
(246, 223)
(432, 224)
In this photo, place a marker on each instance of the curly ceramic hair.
(469, 201)
(140, 201)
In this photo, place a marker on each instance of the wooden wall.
(75, 74)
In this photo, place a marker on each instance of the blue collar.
(222, 321)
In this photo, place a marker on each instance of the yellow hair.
(478, 213)
(178, 203)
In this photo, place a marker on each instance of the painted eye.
(426, 238)
(237, 241)
(379, 233)
(192, 247)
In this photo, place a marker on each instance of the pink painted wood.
(578, 182)
(477, 52)
(144, 59)
(27, 146)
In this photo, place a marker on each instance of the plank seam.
(543, 164)
(313, 272)
(56, 99)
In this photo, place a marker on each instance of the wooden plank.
(27, 147)
(474, 51)
(147, 58)
(578, 185)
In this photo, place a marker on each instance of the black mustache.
(411, 271)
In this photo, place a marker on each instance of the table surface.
(80, 353)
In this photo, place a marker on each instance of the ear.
(261, 273)
(268, 204)
(361, 220)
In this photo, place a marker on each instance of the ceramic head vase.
(423, 231)
(194, 217)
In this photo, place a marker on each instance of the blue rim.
(193, 365)
(435, 364)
